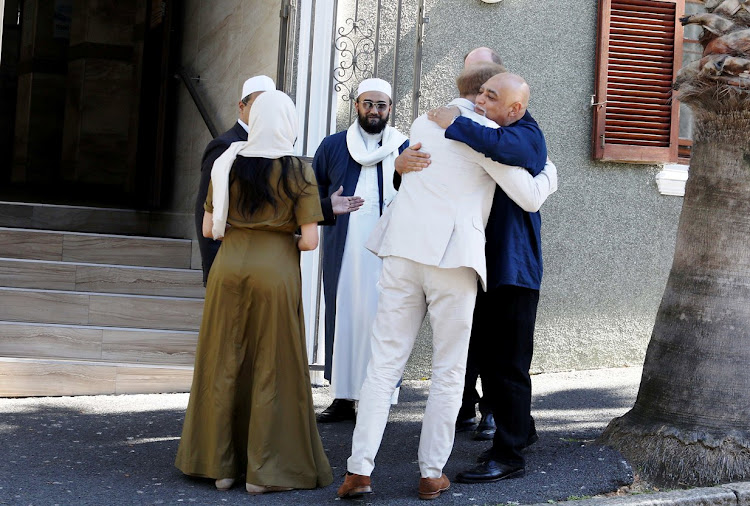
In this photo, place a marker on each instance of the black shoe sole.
(354, 495)
(483, 436)
(532, 439)
(324, 418)
(515, 474)
(338, 420)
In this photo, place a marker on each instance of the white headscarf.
(273, 131)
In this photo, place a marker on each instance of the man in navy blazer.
(504, 316)
(251, 89)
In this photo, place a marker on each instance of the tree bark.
(690, 424)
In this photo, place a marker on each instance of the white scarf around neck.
(385, 153)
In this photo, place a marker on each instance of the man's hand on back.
(412, 159)
(444, 116)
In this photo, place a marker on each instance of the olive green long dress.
(251, 410)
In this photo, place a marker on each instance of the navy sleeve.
(520, 144)
(213, 151)
(396, 175)
(320, 164)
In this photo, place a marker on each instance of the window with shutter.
(638, 56)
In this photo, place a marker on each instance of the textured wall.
(224, 43)
(608, 235)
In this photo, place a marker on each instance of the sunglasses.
(368, 104)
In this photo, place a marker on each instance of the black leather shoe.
(340, 410)
(489, 471)
(486, 428)
(485, 456)
(466, 424)
(533, 438)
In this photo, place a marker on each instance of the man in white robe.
(361, 160)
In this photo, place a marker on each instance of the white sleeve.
(523, 189)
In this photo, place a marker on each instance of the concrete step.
(105, 220)
(105, 344)
(23, 377)
(75, 218)
(87, 277)
(100, 309)
(95, 248)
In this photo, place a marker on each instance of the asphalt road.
(113, 450)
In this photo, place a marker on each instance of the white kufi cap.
(257, 83)
(374, 84)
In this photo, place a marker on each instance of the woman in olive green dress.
(250, 411)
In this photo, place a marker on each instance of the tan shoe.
(355, 485)
(431, 488)
(224, 484)
(264, 489)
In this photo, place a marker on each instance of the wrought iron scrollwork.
(356, 47)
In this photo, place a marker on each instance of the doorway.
(84, 90)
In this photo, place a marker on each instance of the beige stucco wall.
(224, 43)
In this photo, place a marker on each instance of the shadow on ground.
(120, 450)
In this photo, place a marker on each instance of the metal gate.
(329, 47)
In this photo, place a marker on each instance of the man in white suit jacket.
(431, 239)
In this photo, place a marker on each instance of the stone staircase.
(88, 313)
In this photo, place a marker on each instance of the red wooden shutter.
(638, 55)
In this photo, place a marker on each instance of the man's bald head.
(504, 98)
(482, 54)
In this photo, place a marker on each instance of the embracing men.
(432, 242)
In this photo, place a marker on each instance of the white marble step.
(95, 248)
(107, 344)
(100, 309)
(23, 377)
(88, 277)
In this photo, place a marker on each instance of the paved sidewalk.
(120, 449)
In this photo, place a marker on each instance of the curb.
(730, 494)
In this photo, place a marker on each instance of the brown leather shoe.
(355, 485)
(431, 488)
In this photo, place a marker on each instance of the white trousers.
(407, 290)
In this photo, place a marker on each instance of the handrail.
(183, 74)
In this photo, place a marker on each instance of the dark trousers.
(503, 333)
(471, 396)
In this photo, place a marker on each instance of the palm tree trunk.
(690, 424)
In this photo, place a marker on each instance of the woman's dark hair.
(255, 188)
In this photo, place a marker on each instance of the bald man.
(482, 55)
(514, 91)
